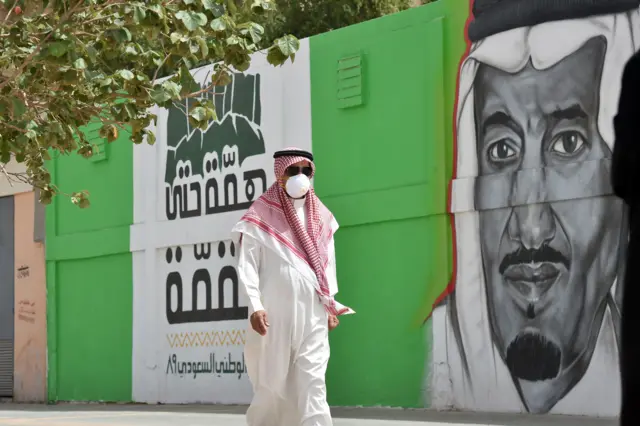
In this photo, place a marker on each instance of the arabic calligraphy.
(180, 196)
(219, 169)
(176, 310)
(218, 367)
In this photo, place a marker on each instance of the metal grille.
(6, 368)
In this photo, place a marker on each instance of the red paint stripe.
(452, 283)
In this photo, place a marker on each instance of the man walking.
(287, 268)
(625, 174)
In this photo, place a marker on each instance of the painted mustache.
(542, 255)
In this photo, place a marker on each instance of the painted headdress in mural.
(532, 320)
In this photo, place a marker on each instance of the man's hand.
(259, 322)
(333, 322)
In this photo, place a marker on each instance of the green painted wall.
(89, 278)
(383, 171)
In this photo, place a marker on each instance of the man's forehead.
(575, 79)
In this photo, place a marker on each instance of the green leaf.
(234, 40)
(276, 57)
(46, 196)
(80, 64)
(255, 31)
(139, 14)
(120, 35)
(288, 45)
(177, 37)
(221, 77)
(126, 74)
(19, 108)
(172, 89)
(204, 49)
(198, 113)
(160, 95)
(58, 48)
(151, 137)
(191, 20)
(109, 132)
(157, 9)
(217, 9)
(259, 6)
(189, 1)
(104, 81)
(81, 199)
(218, 25)
(242, 66)
(189, 85)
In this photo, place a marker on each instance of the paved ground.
(206, 415)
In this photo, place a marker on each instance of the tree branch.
(155, 75)
(39, 46)
(209, 87)
(6, 18)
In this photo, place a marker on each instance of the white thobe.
(287, 366)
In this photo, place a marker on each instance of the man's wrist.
(255, 305)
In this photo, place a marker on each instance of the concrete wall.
(10, 182)
(383, 171)
(30, 351)
(189, 190)
(479, 243)
(89, 290)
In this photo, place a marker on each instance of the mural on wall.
(216, 170)
(190, 317)
(204, 309)
(532, 322)
(207, 173)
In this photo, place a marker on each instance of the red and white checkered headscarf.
(274, 213)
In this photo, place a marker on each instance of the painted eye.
(501, 151)
(568, 143)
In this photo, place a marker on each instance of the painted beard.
(531, 356)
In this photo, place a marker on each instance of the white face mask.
(297, 186)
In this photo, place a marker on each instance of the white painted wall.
(285, 121)
(9, 185)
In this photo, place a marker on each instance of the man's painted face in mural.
(549, 251)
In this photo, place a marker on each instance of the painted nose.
(532, 225)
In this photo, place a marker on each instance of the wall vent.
(350, 81)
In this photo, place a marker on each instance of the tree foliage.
(305, 18)
(67, 63)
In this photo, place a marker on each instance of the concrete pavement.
(207, 415)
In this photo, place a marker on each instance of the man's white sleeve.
(249, 272)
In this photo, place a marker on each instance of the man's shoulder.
(326, 215)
